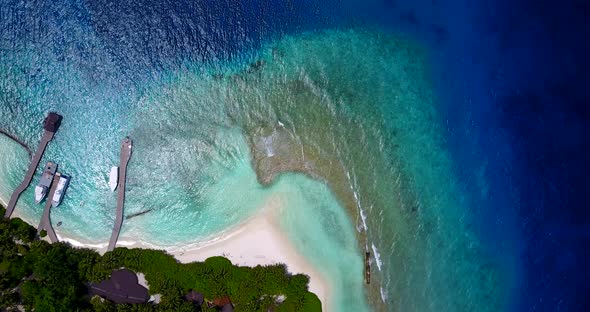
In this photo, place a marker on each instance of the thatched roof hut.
(122, 287)
(227, 308)
(223, 304)
(194, 297)
(52, 122)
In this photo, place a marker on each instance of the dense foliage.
(53, 277)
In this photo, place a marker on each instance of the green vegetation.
(53, 277)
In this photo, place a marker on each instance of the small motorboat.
(45, 182)
(114, 178)
(62, 185)
(40, 193)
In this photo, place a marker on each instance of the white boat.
(40, 192)
(114, 178)
(45, 181)
(62, 185)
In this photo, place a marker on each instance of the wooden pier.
(51, 124)
(45, 223)
(124, 160)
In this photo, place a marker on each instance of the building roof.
(122, 287)
(227, 308)
(194, 297)
(52, 122)
(221, 301)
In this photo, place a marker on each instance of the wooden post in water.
(368, 267)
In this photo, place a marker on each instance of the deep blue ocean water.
(509, 79)
(513, 78)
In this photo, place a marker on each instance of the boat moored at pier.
(45, 181)
(62, 185)
(114, 178)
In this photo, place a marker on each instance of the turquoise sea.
(341, 123)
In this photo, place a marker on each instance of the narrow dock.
(125, 156)
(51, 124)
(45, 223)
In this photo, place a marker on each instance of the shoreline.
(258, 240)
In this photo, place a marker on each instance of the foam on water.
(313, 219)
(377, 256)
(383, 294)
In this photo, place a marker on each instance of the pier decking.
(45, 223)
(124, 160)
(51, 124)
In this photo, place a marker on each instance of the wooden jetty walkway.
(125, 156)
(45, 223)
(51, 124)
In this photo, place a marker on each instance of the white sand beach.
(260, 241)
(257, 241)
